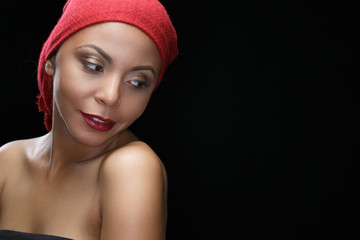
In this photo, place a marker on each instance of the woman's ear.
(49, 67)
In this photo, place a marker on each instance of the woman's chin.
(89, 137)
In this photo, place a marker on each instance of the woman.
(90, 177)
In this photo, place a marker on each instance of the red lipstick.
(97, 122)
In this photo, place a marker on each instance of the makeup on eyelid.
(95, 50)
(96, 68)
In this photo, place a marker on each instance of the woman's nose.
(108, 92)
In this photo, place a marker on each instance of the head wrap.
(148, 15)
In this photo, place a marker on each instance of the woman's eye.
(93, 66)
(137, 83)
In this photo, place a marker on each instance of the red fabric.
(148, 15)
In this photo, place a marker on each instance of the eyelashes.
(89, 66)
(138, 84)
(139, 81)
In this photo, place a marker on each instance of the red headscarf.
(148, 15)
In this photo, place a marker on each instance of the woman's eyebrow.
(146, 67)
(98, 50)
(109, 59)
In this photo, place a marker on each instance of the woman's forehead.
(116, 43)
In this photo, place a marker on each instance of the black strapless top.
(14, 235)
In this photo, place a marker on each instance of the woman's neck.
(63, 152)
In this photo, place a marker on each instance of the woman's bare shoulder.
(131, 157)
(10, 151)
(133, 191)
(13, 153)
(10, 155)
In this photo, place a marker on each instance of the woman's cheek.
(133, 107)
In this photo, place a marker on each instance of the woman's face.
(104, 76)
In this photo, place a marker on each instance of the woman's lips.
(97, 122)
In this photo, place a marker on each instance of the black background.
(256, 122)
